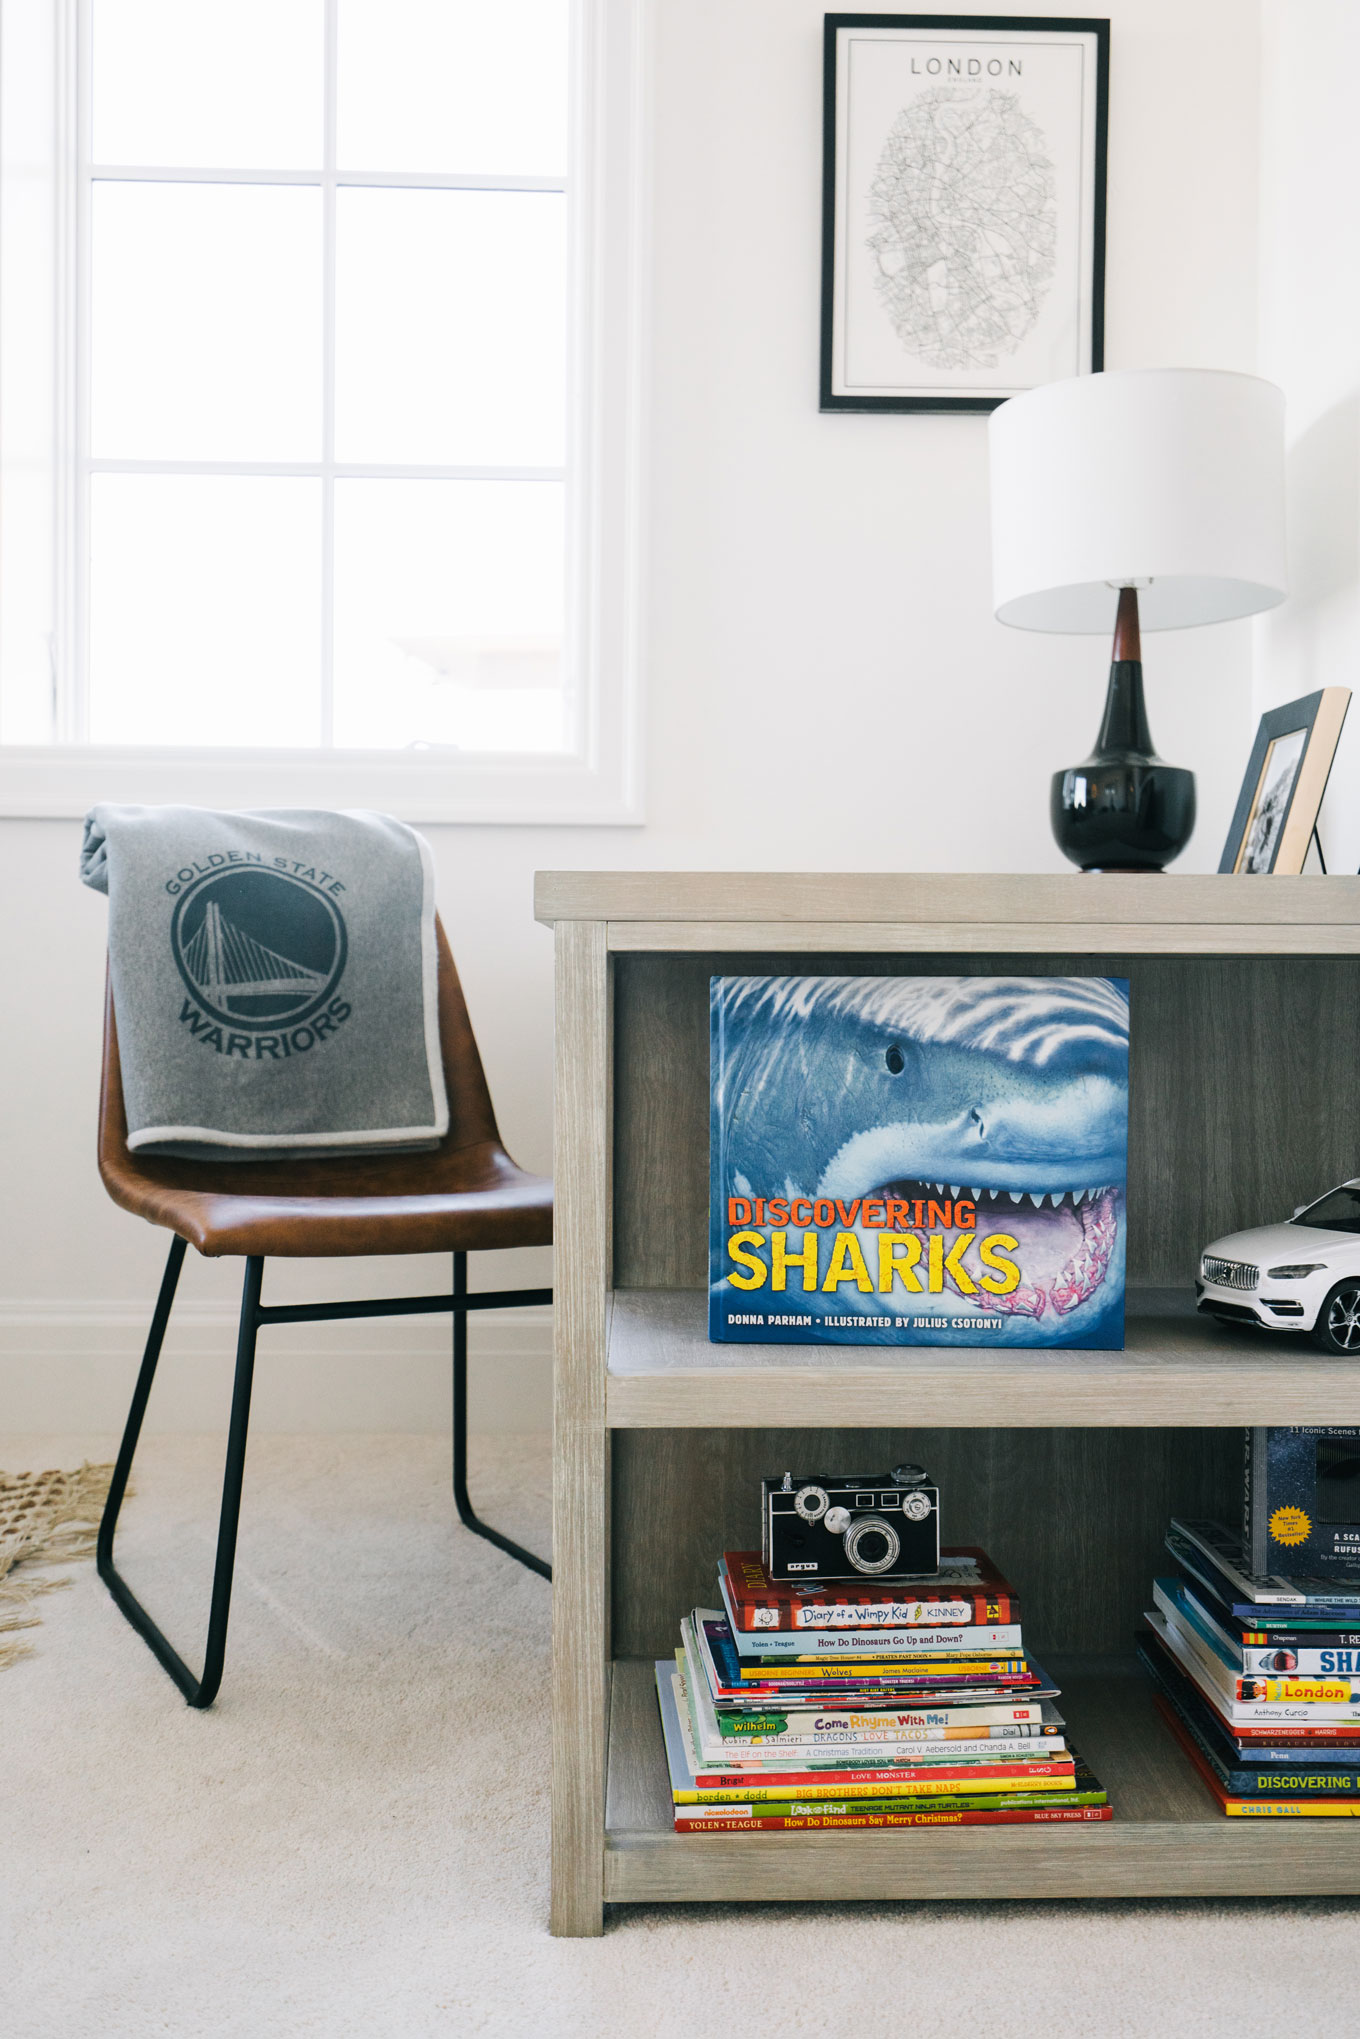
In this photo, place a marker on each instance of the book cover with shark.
(918, 1160)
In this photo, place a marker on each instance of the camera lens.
(872, 1544)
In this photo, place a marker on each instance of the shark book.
(918, 1160)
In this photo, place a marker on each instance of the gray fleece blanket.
(274, 980)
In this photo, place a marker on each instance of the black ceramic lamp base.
(1123, 809)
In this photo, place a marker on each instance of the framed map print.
(963, 220)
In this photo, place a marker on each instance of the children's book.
(966, 1589)
(918, 1160)
(1302, 1501)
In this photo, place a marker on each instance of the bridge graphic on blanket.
(226, 964)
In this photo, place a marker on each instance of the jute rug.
(49, 1518)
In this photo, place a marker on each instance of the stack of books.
(910, 1703)
(1258, 1678)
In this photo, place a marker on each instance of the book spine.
(772, 1612)
(944, 1671)
(1307, 1663)
(1313, 1614)
(1294, 1734)
(986, 1790)
(795, 1806)
(1291, 1808)
(890, 1781)
(904, 1723)
(830, 1750)
(811, 1725)
(1254, 1508)
(915, 1754)
(935, 1817)
(1299, 1691)
(917, 1784)
(1299, 1783)
(1308, 1635)
(980, 1740)
(759, 1603)
(840, 1645)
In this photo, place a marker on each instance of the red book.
(1033, 1816)
(952, 1600)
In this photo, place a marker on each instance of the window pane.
(203, 84)
(448, 614)
(450, 346)
(453, 85)
(205, 600)
(206, 322)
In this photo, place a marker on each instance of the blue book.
(918, 1160)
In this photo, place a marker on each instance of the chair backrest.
(472, 1119)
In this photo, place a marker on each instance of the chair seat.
(453, 1200)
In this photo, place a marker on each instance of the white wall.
(1310, 343)
(825, 686)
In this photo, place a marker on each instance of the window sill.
(62, 782)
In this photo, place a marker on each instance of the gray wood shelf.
(1167, 1834)
(1177, 1369)
(1243, 1101)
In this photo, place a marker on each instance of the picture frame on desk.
(954, 287)
(1283, 786)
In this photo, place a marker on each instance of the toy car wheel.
(1338, 1321)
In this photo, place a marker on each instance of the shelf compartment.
(1178, 1370)
(1167, 1837)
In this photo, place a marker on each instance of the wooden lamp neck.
(1127, 642)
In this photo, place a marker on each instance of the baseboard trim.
(70, 1366)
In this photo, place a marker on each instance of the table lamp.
(1146, 497)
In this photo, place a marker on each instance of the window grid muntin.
(72, 663)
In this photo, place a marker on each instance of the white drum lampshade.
(1150, 497)
(1170, 479)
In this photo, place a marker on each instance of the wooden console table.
(1245, 1100)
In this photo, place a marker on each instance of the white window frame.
(598, 779)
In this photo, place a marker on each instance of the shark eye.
(896, 1061)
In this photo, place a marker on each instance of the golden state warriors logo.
(261, 953)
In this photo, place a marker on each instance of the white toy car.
(1303, 1276)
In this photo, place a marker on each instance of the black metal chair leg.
(203, 1690)
(467, 1514)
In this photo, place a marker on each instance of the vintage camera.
(850, 1526)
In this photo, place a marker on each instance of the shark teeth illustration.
(986, 1198)
(1043, 1199)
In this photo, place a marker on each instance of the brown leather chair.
(466, 1196)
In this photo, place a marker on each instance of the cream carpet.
(354, 1841)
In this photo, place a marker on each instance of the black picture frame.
(1282, 808)
(999, 25)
